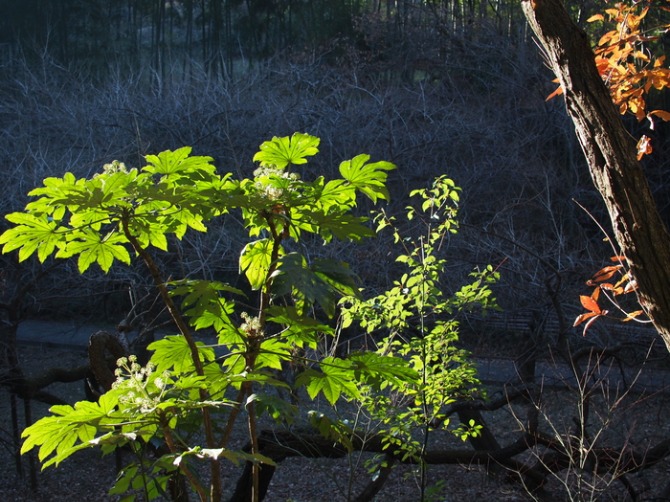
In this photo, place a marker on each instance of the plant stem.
(424, 376)
(255, 467)
(192, 479)
(254, 348)
(232, 418)
(183, 328)
(254, 342)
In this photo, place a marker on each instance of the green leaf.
(92, 247)
(32, 234)
(123, 480)
(112, 186)
(149, 233)
(276, 406)
(338, 275)
(69, 429)
(382, 370)
(56, 193)
(335, 430)
(178, 163)
(203, 302)
(298, 329)
(281, 152)
(173, 353)
(322, 283)
(344, 226)
(337, 193)
(370, 179)
(336, 377)
(255, 261)
(274, 352)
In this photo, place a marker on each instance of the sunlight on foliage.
(417, 321)
(245, 354)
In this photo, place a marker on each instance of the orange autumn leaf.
(633, 315)
(644, 147)
(661, 114)
(615, 290)
(583, 317)
(606, 273)
(590, 317)
(627, 67)
(557, 92)
(590, 304)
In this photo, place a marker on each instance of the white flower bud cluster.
(114, 167)
(144, 389)
(251, 325)
(263, 175)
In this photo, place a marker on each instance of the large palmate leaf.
(179, 164)
(173, 353)
(93, 247)
(370, 179)
(255, 261)
(69, 428)
(203, 302)
(31, 234)
(342, 225)
(298, 329)
(56, 194)
(335, 378)
(109, 189)
(338, 194)
(281, 152)
(273, 354)
(323, 282)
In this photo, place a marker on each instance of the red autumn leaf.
(590, 304)
(583, 317)
(606, 273)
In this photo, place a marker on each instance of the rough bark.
(611, 155)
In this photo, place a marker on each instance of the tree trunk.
(611, 155)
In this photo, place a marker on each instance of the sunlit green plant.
(418, 319)
(190, 395)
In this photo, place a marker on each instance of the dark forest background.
(455, 86)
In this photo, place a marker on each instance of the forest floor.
(88, 476)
